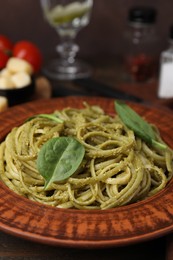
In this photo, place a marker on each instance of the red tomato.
(30, 52)
(3, 59)
(5, 44)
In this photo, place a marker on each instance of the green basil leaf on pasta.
(59, 158)
(48, 116)
(136, 123)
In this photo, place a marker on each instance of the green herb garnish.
(48, 116)
(59, 158)
(136, 123)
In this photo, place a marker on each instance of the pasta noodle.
(118, 168)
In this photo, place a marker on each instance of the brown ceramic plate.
(125, 225)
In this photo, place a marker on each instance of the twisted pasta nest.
(118, 168)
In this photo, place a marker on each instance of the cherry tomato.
(3, 59)
(5, 44)
(28, 51)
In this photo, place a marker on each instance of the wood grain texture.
(125, 225)
(19, 249)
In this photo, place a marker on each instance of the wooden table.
(109, 73)
(16, 248)
(160, 248)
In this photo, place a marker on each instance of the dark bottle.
(140, 44)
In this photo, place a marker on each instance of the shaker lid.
(142, 14)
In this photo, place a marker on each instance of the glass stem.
(67, 50)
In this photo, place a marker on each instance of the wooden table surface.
(160, 248)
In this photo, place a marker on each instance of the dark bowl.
(19, 95)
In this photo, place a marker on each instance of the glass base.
(56, 69)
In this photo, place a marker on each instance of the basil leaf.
(48, 116)
(59, 158)
(136, 123)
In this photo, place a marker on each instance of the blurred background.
(103, 36)
(102, 43)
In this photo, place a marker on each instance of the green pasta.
(118, 168)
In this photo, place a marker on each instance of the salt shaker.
(140, 44)
(165, 88)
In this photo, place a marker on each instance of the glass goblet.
(68, 17)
